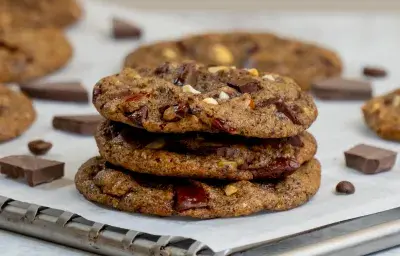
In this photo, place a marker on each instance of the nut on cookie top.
(382, 115)
(183, 97)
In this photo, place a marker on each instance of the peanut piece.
(222, 54)
(230, 190)
(223, 96)
(189, 88)
(210, 101)
(269, 77)
(253, 71)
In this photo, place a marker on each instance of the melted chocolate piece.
(175, 113)
(186, 75)
(189, 196)
(281, 166)
(221, 125)
(138, 116)
(96, 92)
(295, 141)
(245, 86)
(287, 111)
(135, 97)
(164, 68)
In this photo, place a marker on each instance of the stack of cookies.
(205, 142)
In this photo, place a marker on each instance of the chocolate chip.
(135, 97)
(79, 124)
(186, 74)
(342, 89)
(245, 86)
(59, 91)
(279, 166)
(39, 147)
(138, 116)
(221, 125)
(175, 113)
(34, 170)
(374, 71)
(288, 112)
(295, 141)
(345, 187)
(370, 159)
(189, 196)
(125, 29)
(96, 92)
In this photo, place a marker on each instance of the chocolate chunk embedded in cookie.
(302, 61)
(16, 113)
(189, 97)
(27, 54)
(38, 13)
(202, 155)
(382, 115)
(132, 192)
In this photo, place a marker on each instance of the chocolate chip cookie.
(190, 97)
(382, 115)
(302, 61)
(38, 13)
(203, 155)
(102, 183)
(16, 113)
(26, 54)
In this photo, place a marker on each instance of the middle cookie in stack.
(184, 139)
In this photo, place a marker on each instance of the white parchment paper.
(361, 39)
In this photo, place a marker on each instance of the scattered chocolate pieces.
(125, 29)
(39, 147)
(34, 170)
(374, 71)
(58, 91)
(80, 124)
(342, 89)
(345, 187)
(370, 159)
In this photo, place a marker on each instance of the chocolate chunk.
(189, 196)
(245, 86)
(34, 170)
(186, 74)
(124, 29)
(342, 89)
(287, 111)
(295, 141)
(221, 125)
(370, 159)
(39, 147)
(137, 117)
(345, 187)
(58, 91)
(175, 113)
(80, 124)
(374, 71)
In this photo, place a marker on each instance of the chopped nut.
(396, 101)
(230, 190)
(223, 96)
(251, 104)
(227, 163)
(217, 68)
(253, 71)
(169, 53)
(210, 101)
(189, 88)
(157, 144)
(269, 77)
(222, 54)
(132, 75)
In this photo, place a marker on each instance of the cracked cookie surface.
(304, 62)
(102, 183)
(16, 113)
(382, 115)
(27, 54)
(203, 155)
(179, 98)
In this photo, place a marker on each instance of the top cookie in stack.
(189, 97)
(205, 142)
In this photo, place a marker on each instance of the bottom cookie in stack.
(198, 175)
(125, 190)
